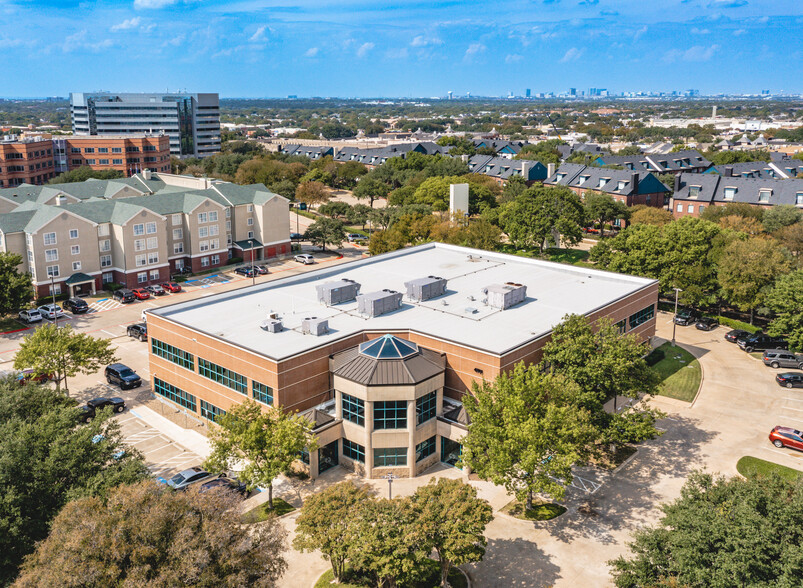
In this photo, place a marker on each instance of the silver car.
(51, 311)
(305, 258)
(190, 477)
(30, 316)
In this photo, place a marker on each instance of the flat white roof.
(553, 291)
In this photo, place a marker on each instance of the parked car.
(137, 331)
(261, 269)
(246, 271)
(790, 380)
(296, 237)
(123, 376)
(736, 334)
(28, 375)
(124, 295)
(787, 437)
(761, 342)
(224, 482)
(171, 287)
(89, 410)
(141, 293)
(156, 290)
(782, 358)
(686, 317)
(76, 305)
(188, 477)
(30, 316)
(354, 237)
(707, 323)
(305, 258)
(51, 311)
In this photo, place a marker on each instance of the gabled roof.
(611, 181)
(748, 190)
(668, 162)
(502, 168)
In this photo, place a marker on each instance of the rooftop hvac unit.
(422, 289)
(379, 303)
(272, 326)
(337, 292)
(314, 326)
(504, 296)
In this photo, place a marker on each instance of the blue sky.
(354, 48)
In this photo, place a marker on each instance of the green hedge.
(42, 300)
(734, 324)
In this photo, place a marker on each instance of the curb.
(15, 331)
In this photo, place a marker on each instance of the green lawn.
(540, 512)
(566, 255)
(430, 572)
(9, 324)
(753, 467)
(262, 512)
(680, 373)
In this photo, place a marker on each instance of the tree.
(649, 215)
(63, 352)
(334, 209)
(778, 217)
(83, 173)
(370, 188)
(46, 460)
(326, 522)
(326, 231)
(348, 173)
(526, 432)
(144, 535)
(748, 268)
(791, 237)
(261, 445)
(312, 193)
(715, 213)
(451, 519)
(630, 150)
(716, 534)
(514, 187)
(358, 215)
(602, 208)
(543, 213)
(286, 188)
(15, 288)
(786, 301)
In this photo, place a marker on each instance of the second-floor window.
(139, 229)
(178, 234)
(203, 232)
(153, 258)
(176, 219)
(213, 216)
(139, 245)
(51, 254)
(250, 221)
(214, 230)
(150, 228)
(105, 245)
(105, 261)
(178, 247)
(153, 243)
(141, 260)
(203, 217)
(50, 238)
(75, 250)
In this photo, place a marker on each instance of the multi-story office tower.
(192, 121)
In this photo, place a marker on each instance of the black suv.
(124, 295)
(762, 342)
(90, 408)
(123, 376)
(138, 331)
(686, 317)
(76, 306)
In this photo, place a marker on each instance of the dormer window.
(730, 192)
(645, 165)
(629, 165)
(663, 163)
(582, 180)
(764, 195)
(603, 181)
(799, 198)
(694, 191)
(621, 185)
(559, 177)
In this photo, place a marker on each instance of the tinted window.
(126, 372)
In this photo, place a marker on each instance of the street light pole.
(53, 294)
(390, 478)
(674, 324)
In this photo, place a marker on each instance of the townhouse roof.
(712, 188)
(782, 169)
(503, 168)
(669, 162)
(610, 181)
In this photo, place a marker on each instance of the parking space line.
(792, 455)
(795, 399)
(160, 447)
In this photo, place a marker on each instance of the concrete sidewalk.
(192, 440)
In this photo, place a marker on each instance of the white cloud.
(739, 32)
(696, 31)
(259, 35)
(364, 49)
(152, 4)
(696, 53)
(397, 53)
(175, 41)
(473, 50)
(513, 58)
(311, 52)
(640, 33)
(423, 41)
(572, 54)
(126, 25)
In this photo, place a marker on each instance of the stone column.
(411, 425)
(369, 446)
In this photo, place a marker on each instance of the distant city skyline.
(354, 48)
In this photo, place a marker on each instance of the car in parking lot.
(227, 483)
(89, 410)
(156, 290)
(734, 335)
(246, 271)
(782, 358)
(137, 331)
(25, 376)
(706, 323)
(189, 477)
(171, 287)
(76, 305)
(123, 376)
(30, 316)
(296, 237)
(760, 342)
(305, 258)
(51, 311)
(262, 269)
(124, 296)
(686, 317)
(354, 237)
(141, 293)
(790, 380)
(786, 437)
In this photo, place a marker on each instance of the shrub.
(234, 260)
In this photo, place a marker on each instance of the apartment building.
(501, 169)
(128, 154)
(192, 121)
(377, 353)
(636, 187)
(27, 161)
(667, 163)
(137, 231)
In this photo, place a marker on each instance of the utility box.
(503, 296)
(422, 289)
(379, 303)
(315, 326)
(272, 326)
(336, 292)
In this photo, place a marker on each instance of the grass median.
(680, 372)
(262, 513)
(753, 467)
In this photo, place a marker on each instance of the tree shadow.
(514, 562)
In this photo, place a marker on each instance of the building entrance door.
(327, 457)
(450, 451)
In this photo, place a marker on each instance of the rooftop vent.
(314, 326)
(379, 303)
(422, 289)
(503, 296)
(336, 292)
(272, 326)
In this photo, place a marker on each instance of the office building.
(192, 121)
(377, 353)
(27, 161)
